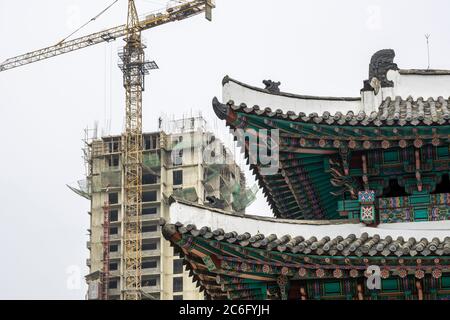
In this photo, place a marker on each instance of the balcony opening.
(114, 215)
(113, 161)
(149, 178)
(113, 284)
(178, 177)
(113, 266)
(149, 264)
(149, 282)
(150, 142)
(149, 228)
(178, 284)
(177, 266)
(151, 210)
(148, 196)
(113, 146)
(113, 198)
(149, 246)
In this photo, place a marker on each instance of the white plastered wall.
(203, 217)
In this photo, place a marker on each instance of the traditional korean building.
(361, 188)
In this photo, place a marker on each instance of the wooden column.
(303, 295)
(283, 284)
(360, 291)
(364, 168)
(419, 290)
(418, 175)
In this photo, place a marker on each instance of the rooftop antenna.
(427, 36)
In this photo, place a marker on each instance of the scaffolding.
(151, 163)
(184, 125)
(105, 242)
(232, 192)
(188, 194)
(82, 188)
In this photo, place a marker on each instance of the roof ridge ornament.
(225, 80)
(381, 62)
(272, 86)
(220, 109)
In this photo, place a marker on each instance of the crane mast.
(134, 68)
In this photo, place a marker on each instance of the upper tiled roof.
(392, 112)
(389, 97)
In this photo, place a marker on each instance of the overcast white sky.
(313, 47)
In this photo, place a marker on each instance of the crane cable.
(91, 20)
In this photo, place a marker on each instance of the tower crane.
(134, 68)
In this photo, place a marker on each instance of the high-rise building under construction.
(176, 163)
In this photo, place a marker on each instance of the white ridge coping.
(243, 93)
(406, 83)
(203, 216)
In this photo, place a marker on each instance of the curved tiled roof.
(293, 236)
(392, 112)
(233, 259)
(350, 245)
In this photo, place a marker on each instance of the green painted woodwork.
(445, 282)
(348, 205)
(332, 288)
(349, 208)
(421, 207)
(389, 284)
(310, 191)
(420, 214)
(209, 263)
(443, 152)
(355, 172)
(391, 156)
(419, 199)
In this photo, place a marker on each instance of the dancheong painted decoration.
(360, 195)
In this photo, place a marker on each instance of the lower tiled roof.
(350, 245)
(228, 262)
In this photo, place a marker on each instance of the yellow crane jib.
(176, 13)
